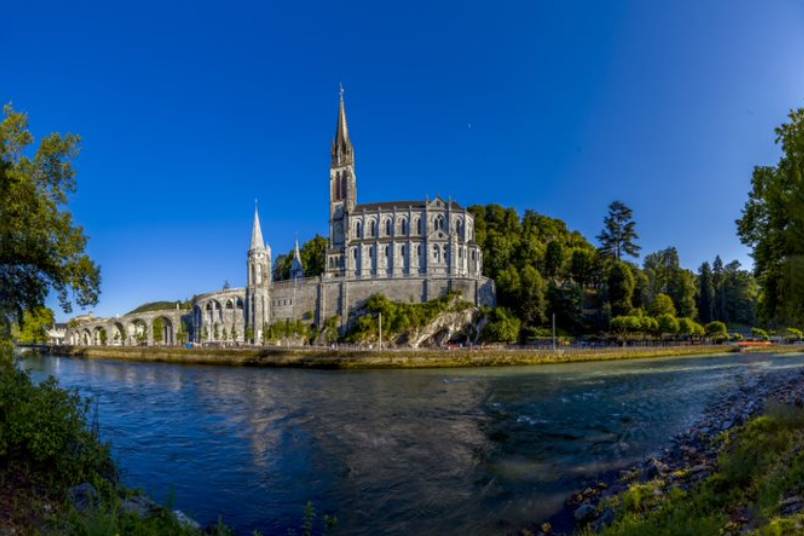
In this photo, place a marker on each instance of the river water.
(447, 451)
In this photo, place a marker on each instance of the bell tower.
(258, 282)
(342, 190)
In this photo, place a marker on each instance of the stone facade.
(411, 251)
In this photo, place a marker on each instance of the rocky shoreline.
(690, 457)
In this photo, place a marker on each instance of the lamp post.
(380, 329)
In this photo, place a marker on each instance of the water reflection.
(436, 451)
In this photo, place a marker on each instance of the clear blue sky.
(190, 111)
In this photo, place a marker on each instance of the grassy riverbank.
(359, 359)
(756, 488)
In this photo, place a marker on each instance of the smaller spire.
(296, 266)
(257, 241)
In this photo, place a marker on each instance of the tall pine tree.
(619, 235)
(706, 294)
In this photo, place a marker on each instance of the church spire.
(296, 266)
(257, 241)
(342, 150)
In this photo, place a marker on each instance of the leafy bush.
(690, 328)
(502, 326)
(44, 429)
(717, 330)
(759, 333)
(287, 329)
(399, 318)
(793, 334)
(668, 324)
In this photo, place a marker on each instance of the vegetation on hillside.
(161, 306)
(761, 467)
(399, 320)
(772, 224)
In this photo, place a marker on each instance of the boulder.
(584, 513)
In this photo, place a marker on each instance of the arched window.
(209, 306)
(371, 251)
(229, 304)
(418, 226)
(403, 225)
(438, 223)
(343, 184)
(239, 303)
(372, 230)
(388, 230)
(436, 253)
(459, 226)
(402, 251)
(419, 250)
(358, 230)
(474, 255)
(387, 251)
(354, 253)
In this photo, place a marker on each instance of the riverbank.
(738, 470)
(364, 359)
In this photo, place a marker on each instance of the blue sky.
(188, 111)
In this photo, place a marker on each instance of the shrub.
(668, 325)
(399, 318)
(690, 328)
(44, 429)
(717, 330)
(663, 305)
(502, 326)
(759, 333)
(793, 334)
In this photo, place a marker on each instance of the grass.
(49, 444)
(352, 359)
(761, 464)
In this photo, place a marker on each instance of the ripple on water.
(475, 451)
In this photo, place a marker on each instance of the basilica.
(410, 251)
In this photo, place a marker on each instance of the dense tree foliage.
(541, 269)
(772, 223)
(34, 326)
(41, 249)
(313, 255)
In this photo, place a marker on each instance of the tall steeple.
(257, 241)
(342, 150)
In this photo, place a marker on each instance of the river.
(446, 451)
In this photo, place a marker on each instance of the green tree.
(687, 327)
(553, 259)
(620, 288)
(502, 326)
(706, 294)
(158, 327)
(314, 256)
(772, 224)
(41, 249)
(717, 330)
(759, 333)
(668, 324)
(619, 235)
(793, 334)
(662, 305)
(34, 326)
(582, 266)
(532, 302)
